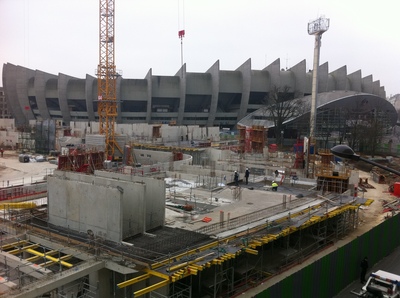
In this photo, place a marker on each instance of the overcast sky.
(61, 36)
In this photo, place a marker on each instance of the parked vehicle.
(23, 158)
(380, 284)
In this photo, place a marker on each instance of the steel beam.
(133, 281)
(151, 288)
(36, 253)
(21, 249)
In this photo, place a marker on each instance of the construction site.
(154, 210)
(175, 226)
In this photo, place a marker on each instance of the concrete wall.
(149, 157)
(155, 156)
(165, 166)
(8, 124)
(107, 203)
(153, 204)
(216, 154)
(144, 132)
(8, 136)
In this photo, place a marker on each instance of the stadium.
(215, 98)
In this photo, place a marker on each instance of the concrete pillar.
(245, 70)
(41, 79)
(63, 81)
(119, 100)
(89, 83)
(214, 71)
(101, 281)
(149, 95)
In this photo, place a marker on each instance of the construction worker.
(236, 178)
(246, 175)
(364, 267)
(274, 186)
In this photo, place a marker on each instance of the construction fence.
(327, 276)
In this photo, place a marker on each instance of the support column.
(214, 71)
(101, 281)
(314, 90)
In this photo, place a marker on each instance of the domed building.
(338, 115)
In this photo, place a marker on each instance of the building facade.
(214, 98)
(4, 110)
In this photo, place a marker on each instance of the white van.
(382, 284)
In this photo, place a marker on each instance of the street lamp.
(346, 152)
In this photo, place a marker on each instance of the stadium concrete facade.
(214, 98)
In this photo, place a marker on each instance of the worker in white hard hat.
(236, 178)
(274, 186)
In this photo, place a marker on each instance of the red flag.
(181, 33)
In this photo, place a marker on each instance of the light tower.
(316, 28)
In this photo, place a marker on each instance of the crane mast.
(107, 77)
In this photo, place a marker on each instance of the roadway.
(16, 173)
(390, 263)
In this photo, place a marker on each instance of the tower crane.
(107, 77)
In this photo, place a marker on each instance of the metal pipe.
(344, 151)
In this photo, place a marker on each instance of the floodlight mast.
(316, 28)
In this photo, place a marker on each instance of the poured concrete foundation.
(111, 205)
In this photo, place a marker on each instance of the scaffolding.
(26, 139)
(299, 162)
(251, 139)
(257, 138)
(331, 177)
(45, 136)
(81, 161)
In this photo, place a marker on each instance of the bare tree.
(374, 131)
(282, 104)
(355, 127)
(366, 130)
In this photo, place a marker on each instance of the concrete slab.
(232, 202)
